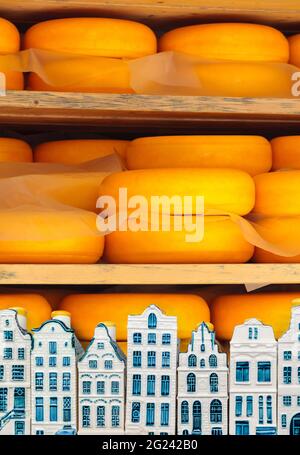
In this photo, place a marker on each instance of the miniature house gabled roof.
(24, 333)
(54, 321)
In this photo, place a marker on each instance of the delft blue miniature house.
(202, 386)
(101, 385)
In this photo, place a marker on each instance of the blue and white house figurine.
(289, 376)
(54, 377)
(15, 381)
(253, 380)
(202, 386)
(101, 385)
(152, 354)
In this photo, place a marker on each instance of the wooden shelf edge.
(109, 274)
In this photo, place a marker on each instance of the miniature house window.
(283, 420)
(3, 400)
(53, 409)
(66, 344)
(242, 371)
(242, 428)
(150, 410)
(269, 409)
(40, 344)
(192, 361)
(287, 355)
(100, 346)
(152, 321)
(135, 412)
(21, 354)
(191, 382)
(238, 405)
(53, 329)
(214, 383)
(287, 400)
(136, 384)
(67, 409)
(213, 363)
(151, 359)
(100, 416)
(7, 354)
(66, 382)
(8, 335)
(298, 401)
(86, 416)
(53, 382)
(86, 387)
(216, 411)
(151, 338)
(249, 410)
(39, 409)
(166, 338)
(298, 355)
(108, 364)
(150, 384)
(66, 361)
(93, 364)
(264, 371)
(52, 361)
(39, 381)
(216, 431)
(164, 414)
(17, 373)
(298, 375)
(7, 322)
(115, 387)
(202, 363)
(165, 360)
(137, 338)
(100, 387)
(115, 416)
(202, 347)
(261, 409)
(255, 333)
(1, 372)
(137, 359)
(287, 375)
(250, 333)
(39, 361)
(184, 412)
(52, 347)
(165, 385)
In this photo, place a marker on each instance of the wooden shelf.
(283, 13)
(109, 274)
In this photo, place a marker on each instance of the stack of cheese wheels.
(294, 42)
(189, 309)
(10, 44)
(223, 190)
(286, 152)
(76, 151)
(251, 154)
(235, 59)
(14, 150)
(47, 236)
(277, 207)
(273, 309)
(37, 307)
(82, 41)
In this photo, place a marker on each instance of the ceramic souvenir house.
(202, 386)
(15, 347)
(54, 377)
(289, 376)
(151, 373)
(101, 385)
(253, 380)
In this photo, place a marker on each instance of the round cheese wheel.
(228, 41)
(14, 150)
(251, 154)
(13, 80)
(282, 231)
(189, 309)
(93, 36)
(273, 309)
(294, 42)
(278, 193)
(83, 74)
(9, 37)
(223, 242)
(38, 309)
(226, 190)
(286, 152)
(76, 151)
(49, 237)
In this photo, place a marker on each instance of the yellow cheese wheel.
(282, 231)
(286, 152)
(245, 79)
(278, 193)
(251, 154)
(189, 309)
(223, 242)
(76, 151)
(14, 150)
(294, 42)
(223, 189)
(273, 309)
(13, 80)
(228, 41)
(49, 237)
(38, 309)
(83, 74)
(9, 37)
(93, 36)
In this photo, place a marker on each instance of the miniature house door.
(19, 398)
(19, 428)
(197, 417)
(295, 425)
